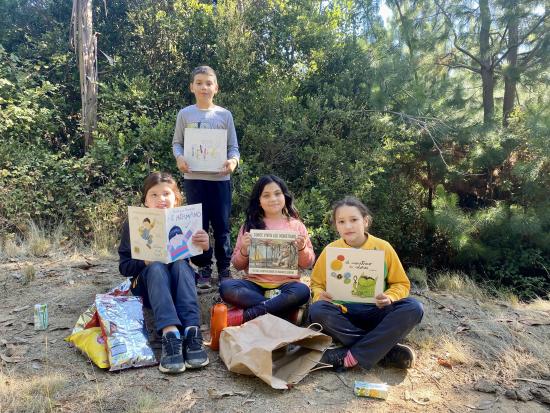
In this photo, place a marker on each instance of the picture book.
(164, 234)
(273, 252)
(355, 275)
(205, 150)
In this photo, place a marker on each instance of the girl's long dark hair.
(255, 213)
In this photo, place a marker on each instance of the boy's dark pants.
(368, 331)
(250, 296)
(169, 290)
(215, 197)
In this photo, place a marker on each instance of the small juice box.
(40, 316)
(374, 390)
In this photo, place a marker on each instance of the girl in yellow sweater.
(369, 333)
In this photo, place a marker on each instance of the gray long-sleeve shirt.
(214, 118)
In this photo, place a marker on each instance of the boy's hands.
(382, 300)
(246, 240)
(325, 296)
(229, 166)
(201, 239)
(182, 165)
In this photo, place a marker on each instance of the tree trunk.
(430, 203)
(487, 71)
(511, 72)
(86, 44)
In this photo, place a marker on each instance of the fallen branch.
(454, 313)
(543, 382)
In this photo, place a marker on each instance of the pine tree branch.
(455, 42)
(520, 42)
(527, 56)
(467, 53)
(422, 122)
(460, 66)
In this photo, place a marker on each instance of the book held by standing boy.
(164, 234)
(205, 150)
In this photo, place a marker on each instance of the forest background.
(435, 113)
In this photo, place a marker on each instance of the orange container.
(218, 321)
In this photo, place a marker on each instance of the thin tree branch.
(455, 43)
(520, 42)
(467, 53)
(423, 125)
(460, 66)
(527, 56)
(503, 37)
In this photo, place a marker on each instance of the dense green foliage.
(324, 94)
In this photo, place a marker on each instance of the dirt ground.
(463, 344)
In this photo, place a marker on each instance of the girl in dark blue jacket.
(168, 289)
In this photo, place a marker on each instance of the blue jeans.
(250, 297)
(368, 331)
(215, 197)
(169, 290)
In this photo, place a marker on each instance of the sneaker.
(194, 351)
(171, 360)
(223, 275)
(335, 357)
(400, 356)
(204, 279)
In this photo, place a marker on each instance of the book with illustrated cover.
(205, 150)
(164, 234)
(273, 252)
(354, 275)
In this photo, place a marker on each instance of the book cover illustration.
(205, 150)
(164, 234)
(355, 275)
(273, 252)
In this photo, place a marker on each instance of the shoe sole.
(406, 364)
(170, 371)
(409, 350)
(198, 366)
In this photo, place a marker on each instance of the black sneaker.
(171, 360)
(194, 352)
(204, 281)
(224, 274)
(400, 356)
(335, 357)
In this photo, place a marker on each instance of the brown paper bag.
(278, 352)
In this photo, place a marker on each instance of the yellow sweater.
(397, 283)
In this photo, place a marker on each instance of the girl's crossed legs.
(367, 331)
(250, 297)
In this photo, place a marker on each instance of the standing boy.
(213, 190)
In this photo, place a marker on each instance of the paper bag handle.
(318, 327)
